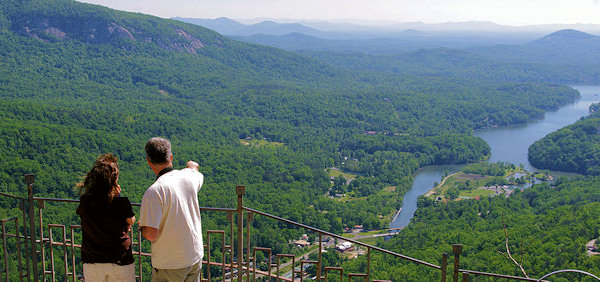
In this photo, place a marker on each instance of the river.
(508, 144)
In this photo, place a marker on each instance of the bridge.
(32, 251)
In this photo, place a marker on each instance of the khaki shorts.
(94, 272)
(191, 273)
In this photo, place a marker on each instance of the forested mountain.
(563, 47)
(221, 25)
(400, 42)
(575, 148)
(566, 56)
(558, 57)
(78, 80)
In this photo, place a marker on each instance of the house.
(328, 241)
(301, 243)
(344, 246)
(591, 246)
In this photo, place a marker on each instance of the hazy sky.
(509, 12)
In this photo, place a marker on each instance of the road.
(298, 258)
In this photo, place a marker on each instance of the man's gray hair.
(158, 150)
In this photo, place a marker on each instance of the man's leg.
(189, 274)
(195, 273)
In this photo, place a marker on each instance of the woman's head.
(101, 181)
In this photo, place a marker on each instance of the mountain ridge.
(565, 36)
(349, 29)
(231, 27)
(99, 25)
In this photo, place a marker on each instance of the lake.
(508, 144)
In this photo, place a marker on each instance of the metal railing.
(238, 258)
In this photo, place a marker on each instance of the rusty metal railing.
(238, 261)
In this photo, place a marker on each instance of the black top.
(104, 227)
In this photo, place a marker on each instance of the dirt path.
(430, 192)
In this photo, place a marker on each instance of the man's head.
(158, 151)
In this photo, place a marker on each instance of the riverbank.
(396, 216)
(485, 179)
(509, 144)
(433, 190)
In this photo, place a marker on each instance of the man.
(170, 216)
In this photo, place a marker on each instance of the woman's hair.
(100, 181)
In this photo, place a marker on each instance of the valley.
(78, 80)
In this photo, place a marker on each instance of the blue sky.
(507, 12)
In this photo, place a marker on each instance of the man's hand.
(193, 165)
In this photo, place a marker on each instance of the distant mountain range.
(563, 47)
(333, 30)
(385, 39)
(227, 26)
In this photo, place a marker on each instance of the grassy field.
(370, 241)
(476, 193)
(470, 184)
(260, 143)
(387, 192)
(336, 172)
(460, 178)
(389, 189)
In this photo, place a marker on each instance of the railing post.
(23, 207)
(444, 267)
(19, 249)
(368, 264)
(208, 255)
(73, 265)
(4, 244)
(42, 249)
(457, 249)
(293, 259)
(320, 264)
(231, 243)
(240, 190)
(341, 270)
(29, 180)
(139, 252)
(465, 277)
(248, 256)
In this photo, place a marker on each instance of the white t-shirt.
(171, 206)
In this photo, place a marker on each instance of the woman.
(106, 218)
